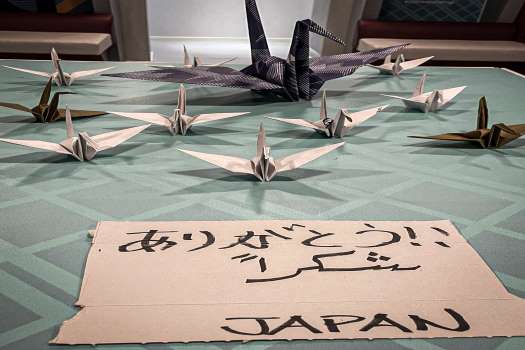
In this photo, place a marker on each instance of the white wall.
(223, 18)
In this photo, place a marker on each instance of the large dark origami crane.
(297, 77)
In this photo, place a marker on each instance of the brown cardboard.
(346, 280)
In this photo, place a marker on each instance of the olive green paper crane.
(45, 111)
(498, 135)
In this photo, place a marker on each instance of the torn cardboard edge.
(202, 310)
(369, 320)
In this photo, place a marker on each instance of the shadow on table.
(202, 96)
(197, 135)
(25, 118)
(37, 157)
(468, 149)
(32, 157)
(57, 166)
(219, 174)
(297, 133)
(244, 98)
(223, 182)
(22, 85)
(306, 133)
(447, 111)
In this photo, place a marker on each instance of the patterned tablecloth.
(47, 202)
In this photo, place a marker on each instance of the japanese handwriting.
(252, 246)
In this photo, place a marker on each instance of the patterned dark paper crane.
(45, 111)
(498, 135)
(297, 77)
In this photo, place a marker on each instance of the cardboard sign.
(245, 280)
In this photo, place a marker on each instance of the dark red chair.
(50, 22)
(449, 31)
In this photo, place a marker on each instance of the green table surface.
(48, 201)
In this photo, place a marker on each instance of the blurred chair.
(78, 29)
(454, 44)
(75, 36)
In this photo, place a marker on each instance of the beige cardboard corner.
(246, 280)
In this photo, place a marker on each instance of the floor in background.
(212, 50)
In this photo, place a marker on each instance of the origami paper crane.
(44, 112)
(497, 136)
(83, 146)
(179, 122)
(197, 62)
(59, 76)
(337, 126)
(429, 101)
(263, 165)
(296, 77)
(399, 65)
